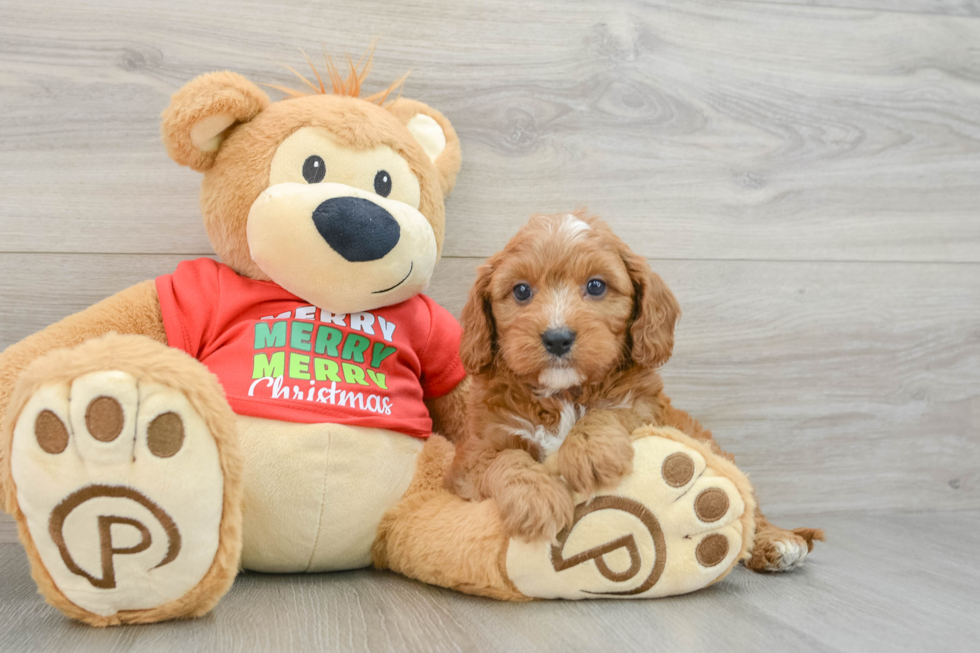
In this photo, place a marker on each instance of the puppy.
(563, 333)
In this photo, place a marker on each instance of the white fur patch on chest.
(549, 439)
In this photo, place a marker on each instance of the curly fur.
(518, 416)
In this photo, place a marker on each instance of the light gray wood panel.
(904, 582)
(947, 7)
(39, 289)
(705, 130)
(837, 386)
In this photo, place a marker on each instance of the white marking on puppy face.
(549, 441)
(571, 227)
(561, 301)
(559, 378)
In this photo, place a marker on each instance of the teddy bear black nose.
(356, 228)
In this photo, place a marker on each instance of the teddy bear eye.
(314, 169)
(382, 183)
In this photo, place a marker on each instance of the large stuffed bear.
(273, 411)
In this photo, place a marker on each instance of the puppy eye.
(314, 169)
(382, 183)
(596, 287)
(522, 292)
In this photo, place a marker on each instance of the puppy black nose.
(356, 228)
(558, 341)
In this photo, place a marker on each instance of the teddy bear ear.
(434, 133)
(201, 113)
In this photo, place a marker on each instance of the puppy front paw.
(589, 462)
(536, 510)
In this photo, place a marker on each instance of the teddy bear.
(278, 408)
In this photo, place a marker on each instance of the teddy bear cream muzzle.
(341, 248)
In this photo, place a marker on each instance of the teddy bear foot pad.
(678, 523)
(120, 491)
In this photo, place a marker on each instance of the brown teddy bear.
(274, 410)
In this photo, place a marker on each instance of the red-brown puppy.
(563, 333)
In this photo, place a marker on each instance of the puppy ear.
(201, 113)
(479, 329)
(655, 312)
(435, 134)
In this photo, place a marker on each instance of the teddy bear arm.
(135, 310)
(449, 412)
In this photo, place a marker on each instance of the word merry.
(363, 321)
(310, 368)
(352, 349)
(320, 339)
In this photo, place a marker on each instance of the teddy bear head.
(336, 198)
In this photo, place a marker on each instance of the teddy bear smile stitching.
(410, 268)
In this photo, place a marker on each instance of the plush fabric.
(306, 507)
(242, 166)
(132, 311)
(226, 127)
(213, 102)
(436, 537)
(648, 537)
(122, 420)
(449, 159)
(149, 362)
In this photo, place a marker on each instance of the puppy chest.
(548, 435)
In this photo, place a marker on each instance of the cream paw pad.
(679, 522)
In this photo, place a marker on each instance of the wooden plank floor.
(874, 587)
(805, 174)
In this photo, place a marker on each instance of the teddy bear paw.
(678, 523)
(119, 491)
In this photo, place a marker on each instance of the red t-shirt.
(280, 358)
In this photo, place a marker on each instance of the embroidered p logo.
(626, 543)
(107, 548)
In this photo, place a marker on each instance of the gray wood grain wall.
(805, 176)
